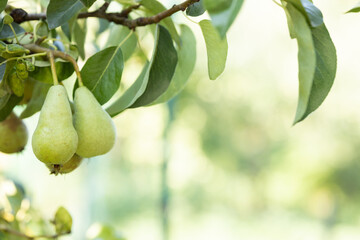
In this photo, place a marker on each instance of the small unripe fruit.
(13, 134)
(68, 167)
(21, 70)
(30, 66)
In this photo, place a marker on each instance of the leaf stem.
(13, 30)
(189, 19)
(23, 57)
(278, 4)
(53, 68)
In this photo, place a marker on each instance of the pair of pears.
(60, 136)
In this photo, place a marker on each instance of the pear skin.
(93, 124)
(55, 139)
(68, 167)
(13, 134)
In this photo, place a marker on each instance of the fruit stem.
(53, 68)
(78, 74)
(13, 30)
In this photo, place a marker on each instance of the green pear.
(55, 139)
(68, 167)
(94, 126)
(13, 134)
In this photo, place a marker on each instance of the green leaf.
(196, 9)
(132, 93)
(317, 63)
(5, 96)
(43, 74)
(14, 50)
(308, 9)
(325, 72)
(37, 100)
(1, 23)
(185, 66)
(223, 13)
(102, 72)
(59, 11)
(79, 34)
(2, 71)
(6, 69)
(355, 9)
(6, 32)
(2, 5)
(103, 26)
(16, 199)
(9, 106)
(289, 21)
(216, 49)
(62, 221)
(117, 35)
(162, 69)
(5, 91)
(154, 78)
(156, 7)
(105, 233)
(68, 28)
(88, 3)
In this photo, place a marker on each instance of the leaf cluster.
(64, 28)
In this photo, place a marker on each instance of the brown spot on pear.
(13, 134)
(68, 167)
(94, 126)
(55, 139)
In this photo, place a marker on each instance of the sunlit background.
(222, 160)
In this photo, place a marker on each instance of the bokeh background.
(222, 160)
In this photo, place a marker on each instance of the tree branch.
(121, 18)
(5, 229)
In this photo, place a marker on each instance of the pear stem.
(13, 30)
(38, 49)
(53, 68)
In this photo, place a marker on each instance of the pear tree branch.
(121, 18)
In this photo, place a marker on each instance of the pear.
(94, 126)
(68, 167)
(55, 139)
(13, 134)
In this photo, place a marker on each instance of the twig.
(121, 18)
(53, 68)
(4, 228)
